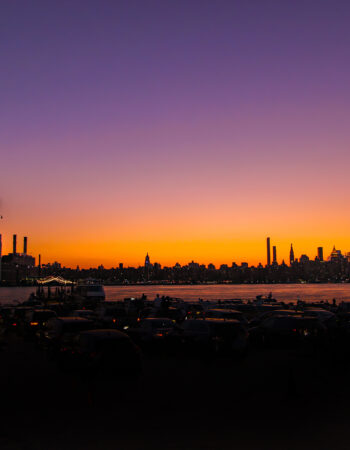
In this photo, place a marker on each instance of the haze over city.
(189, 130)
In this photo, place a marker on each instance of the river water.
(283, 292)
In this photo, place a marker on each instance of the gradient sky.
(188, 129)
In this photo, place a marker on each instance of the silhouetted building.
(14, 244)
(268, 251)
(274, 255)
(335, 256)
(17, 266)
(320, 253)
(291, 255)
(304, 259)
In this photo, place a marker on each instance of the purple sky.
(193, 107)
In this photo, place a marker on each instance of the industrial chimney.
(25, 245)
(14, 244)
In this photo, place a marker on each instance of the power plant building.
(17, 266)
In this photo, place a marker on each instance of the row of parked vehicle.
(109, 339)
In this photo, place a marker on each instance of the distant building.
(320, 253)
(304, 259)
(274, 255)
(268, 251)
(335, 256)
(291, 255)
(53, 266)
(17, 266)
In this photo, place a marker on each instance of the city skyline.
(186, 129)
(269, 260)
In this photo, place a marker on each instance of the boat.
(89, 293)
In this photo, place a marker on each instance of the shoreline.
(194, 284)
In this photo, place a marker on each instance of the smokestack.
(14, 244)
(25, 245)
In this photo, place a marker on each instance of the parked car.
(194, 310)
(35, 321)
(112, 315)
(218, 336)
(259, 318)
(18, 321)
(152, 330)
(84, 313)
(175, 314)
(103, 353)
(219, 313)
(328, 318)
(288, 330)
(61, 331)
(6, 317)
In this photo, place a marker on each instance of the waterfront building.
(16, 266)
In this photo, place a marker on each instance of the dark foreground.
(273, 399)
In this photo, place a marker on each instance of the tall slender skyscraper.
(320, 253)
(14, 245)
(291, 254)
(274, 255)
(268, 251)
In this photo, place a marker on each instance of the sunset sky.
(189, 129)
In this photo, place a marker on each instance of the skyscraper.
(291, 254)
(274, 255)
(147, 267)
(268, 251)
(320, 253)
